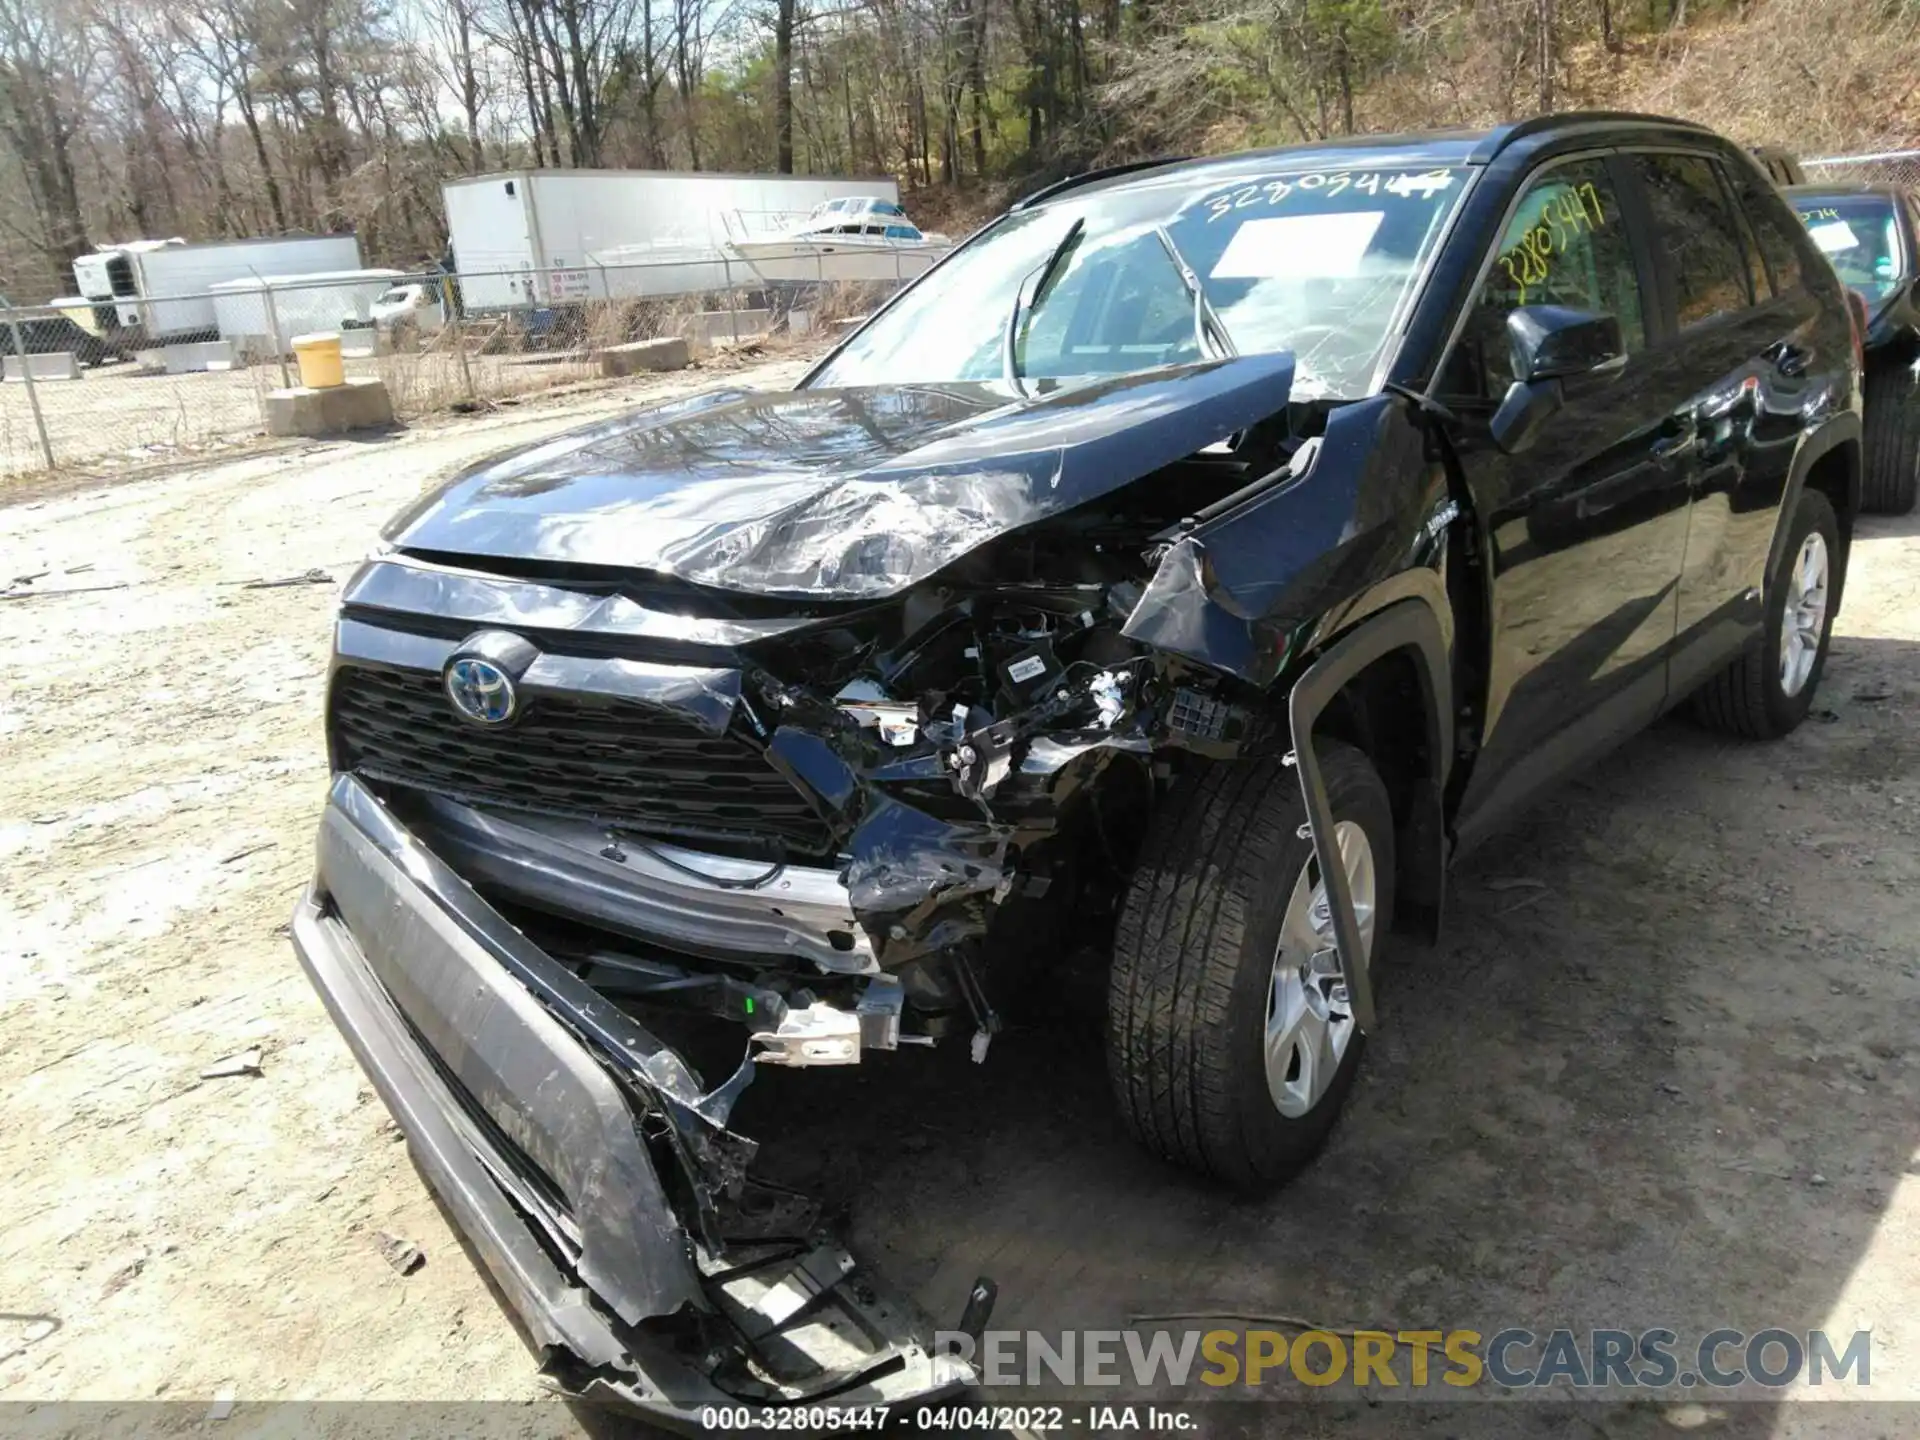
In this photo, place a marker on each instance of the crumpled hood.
(845, 494)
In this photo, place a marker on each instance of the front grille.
(621, 764)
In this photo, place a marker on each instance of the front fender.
(1250, 591)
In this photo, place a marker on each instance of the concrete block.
(723, 327)
(672, 353)
(56, 365)
(195, 356)
(800, 322)
(360, 404)
(251, 349)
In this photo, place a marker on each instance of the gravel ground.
(1663, 1070)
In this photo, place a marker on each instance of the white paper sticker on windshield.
(1834, 236)
(1300, 247)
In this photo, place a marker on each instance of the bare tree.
(211, 117)
(465, 71)
(689, 63)
(783, 86)
(45, 67)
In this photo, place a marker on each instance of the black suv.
(1869, 234)
(1177, 575)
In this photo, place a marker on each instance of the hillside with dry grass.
(1820, 77)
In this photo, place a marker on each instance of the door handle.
(1675, 448)
(1677, 436)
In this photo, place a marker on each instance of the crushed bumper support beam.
(522, 1098)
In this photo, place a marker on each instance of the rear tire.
(1752, 697)
(1892, 463)
(1199, 969)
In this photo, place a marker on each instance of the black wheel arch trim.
(1409, 624)
(1838, 430)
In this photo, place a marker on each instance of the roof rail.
(1501, 136)
(1087, 177)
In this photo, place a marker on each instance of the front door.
(1588, 525)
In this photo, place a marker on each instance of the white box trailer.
(527, 238)
(165, 287)
(301, 305)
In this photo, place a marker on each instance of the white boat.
(862, 237)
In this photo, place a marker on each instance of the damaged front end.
(846, 803)
(597, 1182)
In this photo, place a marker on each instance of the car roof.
(1433, 148)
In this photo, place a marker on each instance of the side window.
(1757, 282)
(1783, 256)
(1565, 245)
(1694, 236)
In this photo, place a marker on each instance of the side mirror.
(1527, 407)
(1550, 345)
(1554, 342)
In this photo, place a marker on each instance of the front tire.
(1892, 462)
(1768, 690)
(1229, 1042)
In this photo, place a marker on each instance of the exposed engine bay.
(977, 753)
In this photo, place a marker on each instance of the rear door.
(1588, 525)
(1741, 355)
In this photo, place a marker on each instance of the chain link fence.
(109, 384)
(1885, 167)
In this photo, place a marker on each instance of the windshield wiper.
(1010, 357)
(1206, 320)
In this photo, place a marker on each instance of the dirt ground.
(1663, 1070)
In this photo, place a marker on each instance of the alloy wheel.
(1804, 620)
(1309, 1017)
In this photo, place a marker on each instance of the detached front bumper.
(523, 1096)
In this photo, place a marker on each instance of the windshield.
(1858, 236)
(395, 297)
(1317, 262)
